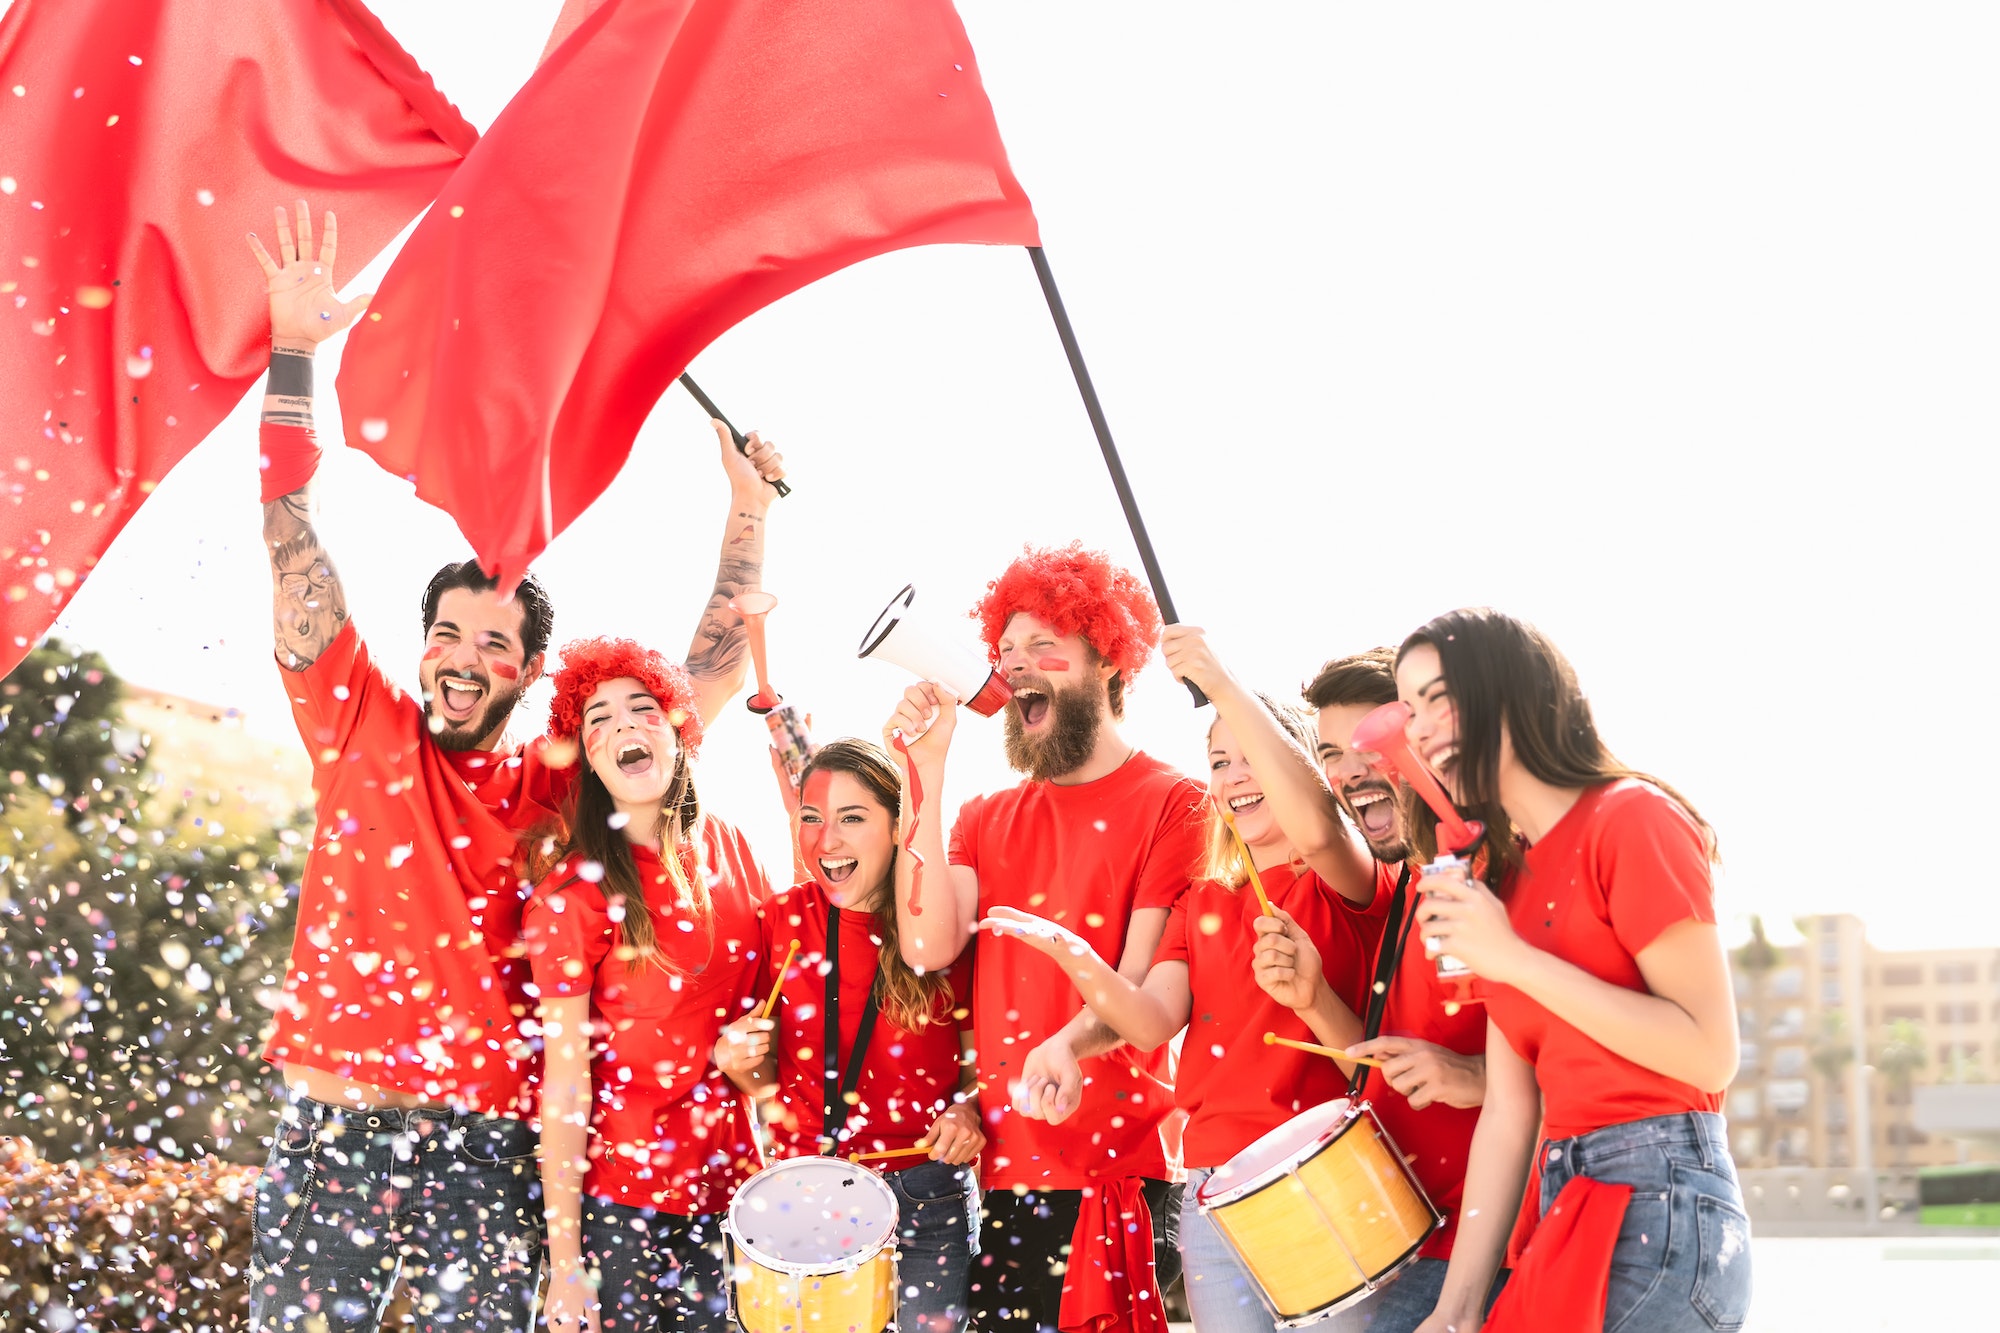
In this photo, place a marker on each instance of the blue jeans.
(1405, 1301)
(1683, 1256)
(937, 1234)
(656, 1272)
(351, 1200)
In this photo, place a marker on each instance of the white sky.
(1672, 329)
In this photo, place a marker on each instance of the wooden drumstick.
(923, 1148)
(1248, 864)
(779, 984)
(1273, 1039)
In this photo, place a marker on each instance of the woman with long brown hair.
(1610, 1011)
(641, 931)
(897, 1083)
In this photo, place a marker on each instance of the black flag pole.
(1119, 482)
(742, 445)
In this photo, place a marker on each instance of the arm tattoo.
(721, 646)
(308, 605)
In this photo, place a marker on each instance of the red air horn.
(1381, 733)
(788, 730)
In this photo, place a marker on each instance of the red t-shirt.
(907, 1078)
(1088, 856)
(666, 1128)
(1621, 866)
(1437, 1140)
(406, 970)
(1235, 1088)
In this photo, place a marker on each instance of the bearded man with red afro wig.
(1102, 838)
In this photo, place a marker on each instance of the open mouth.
(1375, 809)
(837, 869)
(633, 758)
(1239, 804)
(458, 698)
(1034, 706)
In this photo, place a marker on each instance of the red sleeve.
(964, 849)
(1653, 865)
(567, 931)
(1174, 944)
(1346, 941)
(1175, 849)
(328, 696)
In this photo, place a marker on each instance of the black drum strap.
(838, 1085)
(1387, 960)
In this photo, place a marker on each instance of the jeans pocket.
(1640, 1261)
(932, 1182)
(498, 1143)
(1722, 1279)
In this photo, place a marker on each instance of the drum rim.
(793, 1268)
(1369, 1286)
(1270, 1175)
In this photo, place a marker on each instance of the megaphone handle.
(742, 445)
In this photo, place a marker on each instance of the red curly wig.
(588, 663)
(1078, 592)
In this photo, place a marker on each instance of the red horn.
(1381, 734)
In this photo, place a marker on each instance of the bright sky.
(1671, 329)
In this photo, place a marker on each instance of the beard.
(1391, 847)
(1075, 715)
(467, 735)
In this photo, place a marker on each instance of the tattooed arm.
(308, 604)
(720, 654)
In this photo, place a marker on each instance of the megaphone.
(915, 641)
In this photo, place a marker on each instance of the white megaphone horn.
(913, 640)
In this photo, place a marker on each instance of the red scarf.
(1560, 1284)
(1110, 1284)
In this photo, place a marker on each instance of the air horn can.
(789, 736)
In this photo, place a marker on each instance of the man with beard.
(405, 1149)
(1433, 1075)
(1102, 839)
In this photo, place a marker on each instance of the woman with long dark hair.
(1610, 1011)
(642, 933)
(899, 1085)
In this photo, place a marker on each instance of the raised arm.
(1146, 1012)
(308, 605)
(937, 905)
(720, 653)
(1300, 800)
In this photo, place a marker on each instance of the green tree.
(1901, 1056)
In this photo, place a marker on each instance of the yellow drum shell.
(1321, 1210)
(860, 1300)
(812, 1239)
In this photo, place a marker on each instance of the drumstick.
(1248, 864)
(889, 1152)
(779, 984)
(1273, 1039)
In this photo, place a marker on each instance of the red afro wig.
(588, 663)
(1078, 592)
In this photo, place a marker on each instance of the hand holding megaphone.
(925, 717)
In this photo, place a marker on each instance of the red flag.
(672, 167)
(139, 141)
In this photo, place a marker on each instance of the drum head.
(813, 1214)
(1284, 1147)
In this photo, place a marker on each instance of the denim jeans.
(1405, 1301)
(937, 1234)
(656, 1272)
(352, 1200)
(1683, 1255)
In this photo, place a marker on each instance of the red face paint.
(505, 670)
(434, 652)
(1052, 664)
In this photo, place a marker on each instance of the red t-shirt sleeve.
(327, 696)
(567, 931)
(1174, 944)
(964, 849)
(1175, 848)
(1654, 866)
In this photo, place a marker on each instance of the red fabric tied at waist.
(1560, 1284)
(1110, 1285)
(291, 456)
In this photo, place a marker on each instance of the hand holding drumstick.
(1287, 965)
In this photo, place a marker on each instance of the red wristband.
(290, 457)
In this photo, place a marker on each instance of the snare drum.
(1322, 1210)
(814, 1242)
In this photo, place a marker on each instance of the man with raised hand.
(1101, 838)
(405, 1037)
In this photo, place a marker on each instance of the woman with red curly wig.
(1104, 839)
(637, 933)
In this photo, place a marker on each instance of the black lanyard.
(838, 1087)
(1391, 957)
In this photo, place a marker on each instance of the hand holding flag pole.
(1119, 482)
(742, 444)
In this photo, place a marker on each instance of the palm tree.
(1756, 959)
(1901, 1056)
(1832, 1053)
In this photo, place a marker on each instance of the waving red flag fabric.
(139, 141)
(672, 167)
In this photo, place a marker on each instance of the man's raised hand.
(304, 310)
